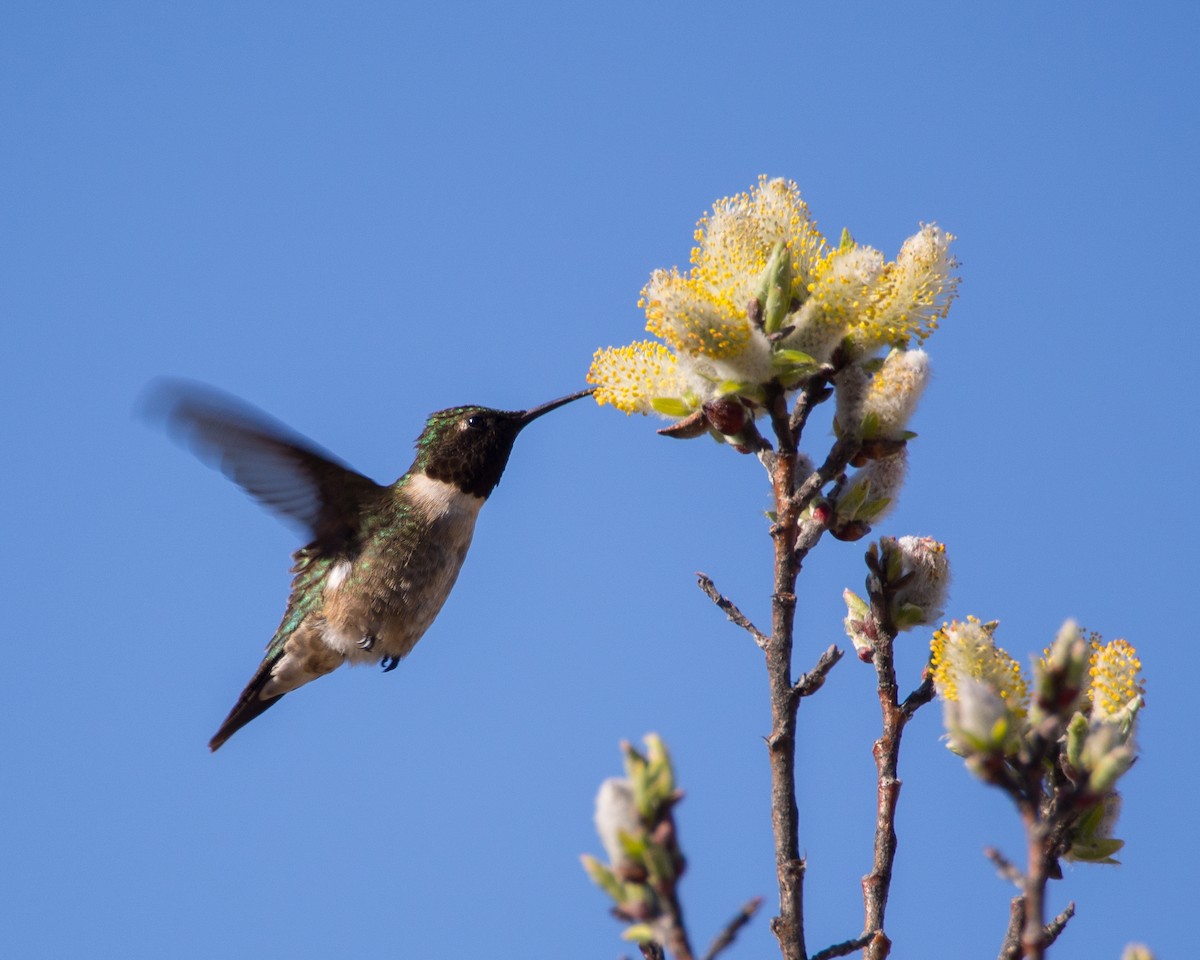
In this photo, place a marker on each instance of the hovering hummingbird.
(380, 560)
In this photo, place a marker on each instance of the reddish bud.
(850, 531)
(727, 415)
(690, 427)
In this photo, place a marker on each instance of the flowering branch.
(906, 586)
(1058, 755)
(637, 828)
(770, 314)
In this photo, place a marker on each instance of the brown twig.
(791, 544)
(919, 697)
(1010, 949)
(730, 931)
(675, 932)
(895, 715)
(1037, 873)
(788, 926)
(1006, 868)
(843, 949)
(840, 455)
(1059, 923)
(814, 392)
(670, 925)
(730, 609)
(809, 683)
(877, 884)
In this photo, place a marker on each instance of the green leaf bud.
(775, 291)
(604, 878)
(638, 933)
(1077, 731)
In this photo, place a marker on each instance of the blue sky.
(354, 214)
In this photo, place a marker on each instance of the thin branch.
(1037, 871)
(730, 932)
(809, 683)
(676, 935)
(1010, 949)
(730, 609)
(815, 391)
(669, 926)
(788, 926)
(844, 948)
(1059, 923)
(919, 697)
(843, 451)
(1005, 867)
(877, 884)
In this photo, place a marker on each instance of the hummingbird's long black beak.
(535, 412)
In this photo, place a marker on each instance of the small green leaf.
(909, 615)
(856, 606)
(851, 501)
(634, 847)
(638, 933)
(659, 864)
(870, 426)
(1110, 769)
(1077, 731)
(604, 878)
(1096, 851)
(792, 358)
(873, 509)
(847, 241)
(670, 406)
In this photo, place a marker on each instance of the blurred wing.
(284, 471)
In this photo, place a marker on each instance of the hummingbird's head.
(469, 446)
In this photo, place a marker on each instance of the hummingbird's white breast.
(379, 604)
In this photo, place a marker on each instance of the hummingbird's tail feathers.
(249, 705)
(295, 656)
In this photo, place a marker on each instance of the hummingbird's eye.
(476, 421)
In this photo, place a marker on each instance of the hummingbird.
(379, 561)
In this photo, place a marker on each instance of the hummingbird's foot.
(389, 663)
(367, 642)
